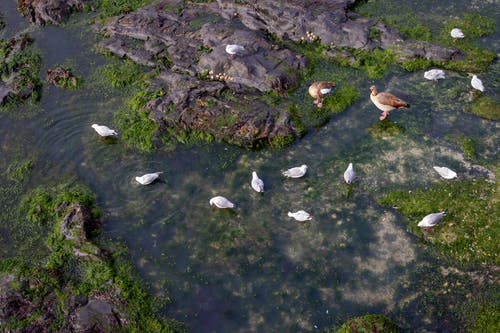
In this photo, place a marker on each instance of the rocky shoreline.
(200, 88)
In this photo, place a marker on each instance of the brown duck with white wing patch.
(318, 89)
(386, 102)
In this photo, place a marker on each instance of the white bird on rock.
(257, 183)
(233, 49)
(148, 178)
(104, 130)
(445, 172)
(431, 220)
(221, 202)
(434, 74)
(349, 174)
(456, 33)
(296, 172)
(477, 83)
(300, 215)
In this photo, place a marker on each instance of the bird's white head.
(94, 125)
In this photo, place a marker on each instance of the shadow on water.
(254, 269)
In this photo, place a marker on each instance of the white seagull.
(434, 74)
(233, 49)
(477, 83)
(296, 172)
(431, 220)
(104, 130)
(257, 183)
(221, 202)
(148, 178)
(300, 215)
(349, 174)
(456, 33)
(445, 172)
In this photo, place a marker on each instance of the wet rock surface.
(43, 12)
(187, 44)
(18, 74)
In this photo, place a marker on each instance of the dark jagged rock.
(18, 69)
(188, 46)
(43, 12)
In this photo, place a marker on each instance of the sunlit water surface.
(254, 269)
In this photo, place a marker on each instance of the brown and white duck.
(386, 102)
(319, 89)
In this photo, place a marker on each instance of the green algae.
(43, 205)
(385, 128)
(473, 25)
(135, 126)
(108, 8)
(486, 107)
(469, 232)
(466, 144)
(371, 323)
(417, 27)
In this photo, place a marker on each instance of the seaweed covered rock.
(62, 77)
(77, 286)
(19, 68)
(49, 11)
(205, 89)
(76, 226)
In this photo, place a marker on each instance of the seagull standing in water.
(296, 172)
(104, 130)
(221, 202)
(431, 220)
(257, 183)
(476, 83)
(300, 215)
(148, 178)
(349, 174)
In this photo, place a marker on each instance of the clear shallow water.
(254, 268)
